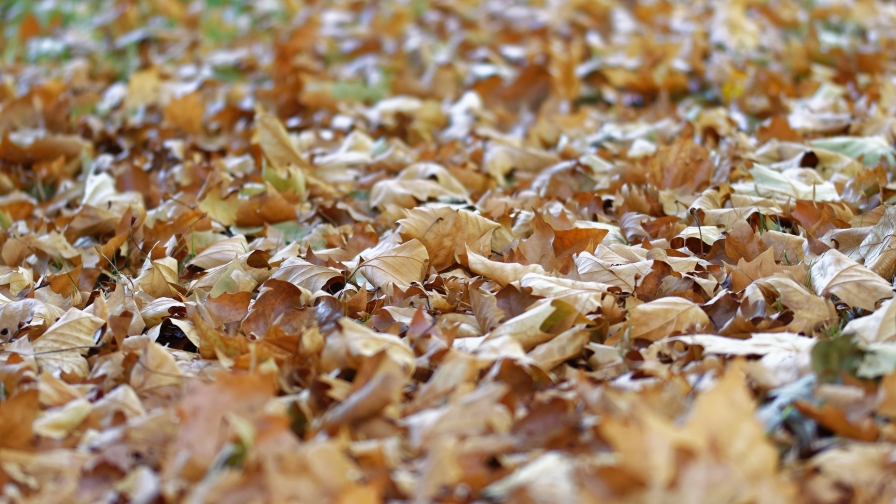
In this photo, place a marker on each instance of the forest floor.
(447, 251)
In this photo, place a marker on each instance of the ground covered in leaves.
(448, 251)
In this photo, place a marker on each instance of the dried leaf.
(65, 343)
(447, 233)
(403, 265)
(835, 274)
(664, 317)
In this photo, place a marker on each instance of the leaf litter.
(438, 251)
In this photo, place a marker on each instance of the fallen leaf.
(65, 343)
(835, 274)
(447, 233)
(403, 265)
(664, 317)
(878, 248)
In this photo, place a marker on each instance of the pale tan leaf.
(275, 143)
(286, 169)
(583, 296)
(879, 247)
(24, 314)
(503, 273)
(541, 322)
(664, 317)
(53, 391)
(402, 265)
(835, 274)
(623, 276)
(757, 344)
(565, 346)
(809, 310)
(65, 343)
(877, 327)
(59, 422)
(234, 279)
(447, 233)
(725, 418)
(220, 253)
(159, 279)
(770, 182)
(189, 330)
(155, 312)
(304, 274)
(156, 368)
(418, 182)
(18, 279)
(500, 159)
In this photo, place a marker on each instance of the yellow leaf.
(285, 160)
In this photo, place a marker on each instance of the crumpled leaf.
(447, 233)
(220, 253)
(769, 182)
(594, 268)
(809, 310)
(503, 273)
(418, 182)
(351, 343)
(877, 327)
(879, 247)
(835, 274)
(58, 423)
(583, 296)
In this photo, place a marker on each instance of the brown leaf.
(17, 413)
(836, 420)
(279, 303)
(682, 164)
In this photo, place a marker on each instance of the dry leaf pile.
(448, 251)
